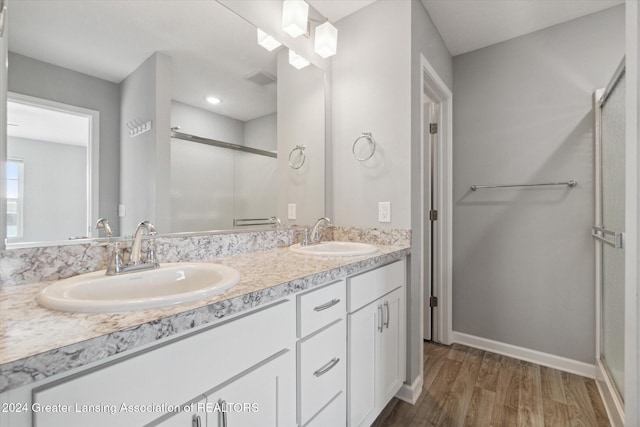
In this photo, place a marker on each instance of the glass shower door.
(612, 135)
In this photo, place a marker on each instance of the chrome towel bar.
(571, 183)
(601, 233)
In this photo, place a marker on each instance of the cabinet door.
(364, 328)
(390, 351)
(264, 396)
(196, 417)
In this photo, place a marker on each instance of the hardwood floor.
(464, 386)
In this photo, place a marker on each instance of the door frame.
(435, 88)
(93, 159)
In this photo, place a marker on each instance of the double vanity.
(300, 336)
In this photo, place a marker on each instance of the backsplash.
(23, 266)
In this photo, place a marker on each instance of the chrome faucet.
(117, 264)
(315, 231)
(103, 224)
(145, 227)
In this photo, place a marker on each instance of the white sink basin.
(168, 285)
(334, 249)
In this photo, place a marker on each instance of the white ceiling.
(467, 25)
(211, 47)
(334, 10)
(44, 124)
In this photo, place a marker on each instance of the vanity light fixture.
(295, 15)
(297, 61)
(213, 100)
(326, 41)
(267, 41)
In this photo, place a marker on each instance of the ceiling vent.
(261, 78)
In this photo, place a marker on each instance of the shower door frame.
(608, 391)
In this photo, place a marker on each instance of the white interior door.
(431, 141)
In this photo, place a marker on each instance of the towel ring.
(296, 163)
(372, 143)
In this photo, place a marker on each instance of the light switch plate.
(122, 211)
(384, 212)
(292, 211)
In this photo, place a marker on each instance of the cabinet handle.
(327, 305)
(386, 304)
(326, 368)
(196, 421)
(380, 324)
(222, 418)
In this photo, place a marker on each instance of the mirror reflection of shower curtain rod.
(213, 142)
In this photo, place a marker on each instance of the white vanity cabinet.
(376, 327)
(132, 390)
(322, 356)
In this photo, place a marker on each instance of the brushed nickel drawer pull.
(380, 319)
(326, 368)
(386, 304)
(327, 305)
(196, 421)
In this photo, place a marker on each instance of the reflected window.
(15, 196)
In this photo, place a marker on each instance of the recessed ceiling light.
(213, 100)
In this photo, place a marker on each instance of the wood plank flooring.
(468, 387)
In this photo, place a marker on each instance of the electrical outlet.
(384, 212)
(292, 211)
(122, 211)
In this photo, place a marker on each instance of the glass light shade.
(213, 100)
(326, 40)
(297, 61)
(267, 41)
(295, 15)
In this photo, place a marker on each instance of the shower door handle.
(602, 233)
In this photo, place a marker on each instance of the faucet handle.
(151, 254)
(116, 261)
(305, 237)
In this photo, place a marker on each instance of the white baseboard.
(411, 393)
(534, 356)
(612, 403)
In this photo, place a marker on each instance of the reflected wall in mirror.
(147, 82)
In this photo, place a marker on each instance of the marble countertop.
(36, 343)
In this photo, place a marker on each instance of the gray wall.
(377, 88)
(372, 93)
(31, 77)
(55, 186)
(301, 121)
(523, 258)
(145, 159)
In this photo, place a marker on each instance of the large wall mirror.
(108, 117)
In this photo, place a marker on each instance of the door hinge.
(433, 301)
(433, 128)
(433, 215)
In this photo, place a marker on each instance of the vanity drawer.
(322, 367)
(321, 307)
(371, 285)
